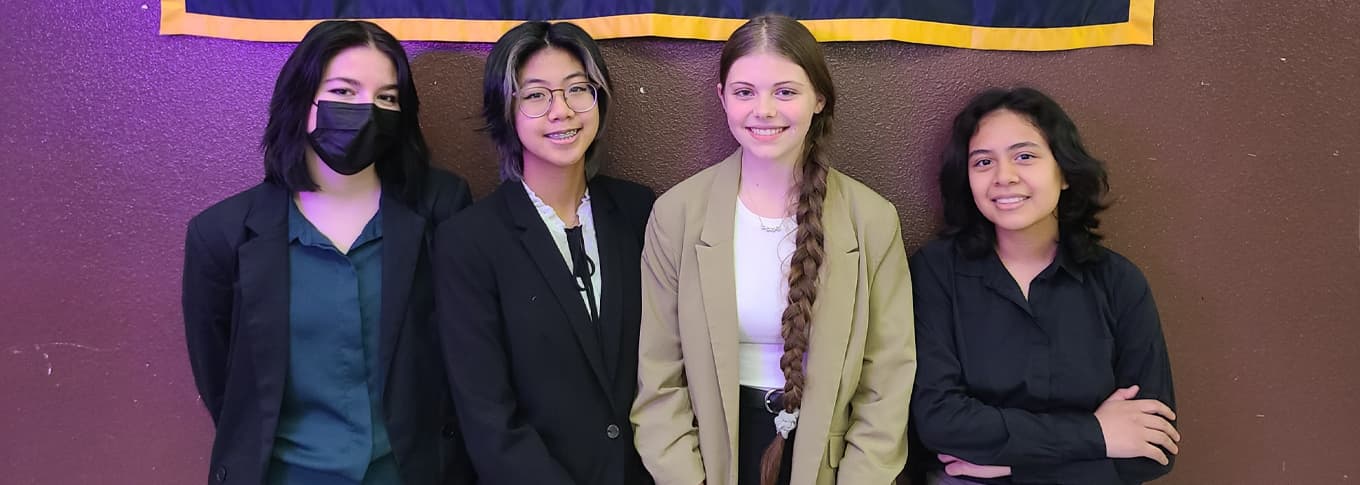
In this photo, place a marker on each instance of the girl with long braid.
(776, 344)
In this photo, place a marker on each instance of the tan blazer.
(861, 360)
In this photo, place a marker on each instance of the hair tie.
(785, 422)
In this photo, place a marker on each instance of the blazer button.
(221, 474)
(447, 431)
(612, 431)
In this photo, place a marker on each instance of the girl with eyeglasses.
(537, 284)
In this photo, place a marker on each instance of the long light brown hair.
(784, 36)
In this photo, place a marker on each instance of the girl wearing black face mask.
(307, 298)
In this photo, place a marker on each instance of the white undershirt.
(762, 277)
(558, 230)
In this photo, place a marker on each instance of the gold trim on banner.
(175, 20)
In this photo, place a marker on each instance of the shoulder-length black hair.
(285, 137)
(501, 79)
(1084, 174)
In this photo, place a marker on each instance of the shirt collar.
(546, 211)
(1066, 263)
(990, 265)
(305, 233)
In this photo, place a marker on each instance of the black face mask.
(350, 137)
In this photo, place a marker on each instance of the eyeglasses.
(535, 102)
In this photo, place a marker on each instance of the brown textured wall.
(1232, 146)
(1234, 154)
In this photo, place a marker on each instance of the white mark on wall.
(78, 346)
(47, 357)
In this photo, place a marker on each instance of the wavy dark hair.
(501, 79)
(285, 136)
(1085, 175)
(787, 38)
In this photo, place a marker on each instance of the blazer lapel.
(264, 287)
(717, 275)
(610, 236)
(539, 244)
(402, 238)
(833, 317)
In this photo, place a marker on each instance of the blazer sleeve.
(448, 195)
(876, 441)
(503, 447)
(948, 420)
(662, 416)
(206, 300)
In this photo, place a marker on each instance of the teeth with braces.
(563, 135)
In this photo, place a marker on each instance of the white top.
(558, 230)
(762, 276)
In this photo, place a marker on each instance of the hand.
(953, 466)
(1133, 426)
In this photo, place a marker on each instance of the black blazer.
(236, 324)
(542, 392)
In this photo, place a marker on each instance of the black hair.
(1085, 175)
(285, 136)
(501, 79)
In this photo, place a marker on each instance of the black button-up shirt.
(1002, 380)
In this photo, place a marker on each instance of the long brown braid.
(784, 36)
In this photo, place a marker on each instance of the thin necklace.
(778, 225)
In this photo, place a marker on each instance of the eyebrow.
(1023, 144)
(780, 83)
(352, 82)
(567, 78)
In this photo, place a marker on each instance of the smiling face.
(560, 137)
(1015, 180)
(769, 102)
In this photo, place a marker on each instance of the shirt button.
(612, 431)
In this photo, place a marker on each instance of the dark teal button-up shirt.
(331, 428)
